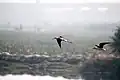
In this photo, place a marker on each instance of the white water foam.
(30, 77)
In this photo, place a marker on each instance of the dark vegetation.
(105, 69)
(116, 41)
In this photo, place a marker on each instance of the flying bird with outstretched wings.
(60, 39)
(101, 46)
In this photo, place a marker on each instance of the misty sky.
(31, 14)
(61, 1)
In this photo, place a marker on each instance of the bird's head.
(96, 45)
(61, 36)
(94, 48)
(55, 38)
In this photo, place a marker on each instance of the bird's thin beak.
(53, 38)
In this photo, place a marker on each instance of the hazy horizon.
(55, 14)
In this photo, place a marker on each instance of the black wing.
(103, 43)
(59, 42)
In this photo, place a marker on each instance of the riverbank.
(41, 65)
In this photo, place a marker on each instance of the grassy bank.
(98, 69)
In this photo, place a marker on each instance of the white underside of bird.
(99, 48)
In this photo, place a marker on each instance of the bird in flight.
(101, 46)
(60, 39)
